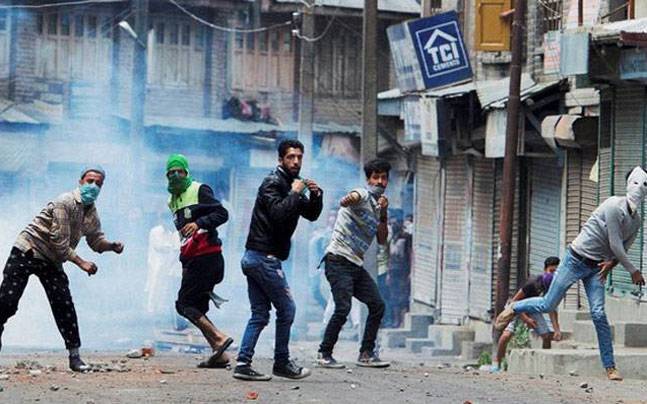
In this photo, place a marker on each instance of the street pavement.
(174, 378)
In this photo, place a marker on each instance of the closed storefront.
(482, 221)
(454, 283)
(581, 201)
(627, 152)
(427, 237)
(545, 204)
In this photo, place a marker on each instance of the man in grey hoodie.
(602, 243)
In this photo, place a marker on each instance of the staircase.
(578, 354)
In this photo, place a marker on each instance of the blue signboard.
(438, 44)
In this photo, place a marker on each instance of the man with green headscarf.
(197, 214)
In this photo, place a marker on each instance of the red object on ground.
(251, 395)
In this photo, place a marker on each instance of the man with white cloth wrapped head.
(602, 243)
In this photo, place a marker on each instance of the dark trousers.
(266, 286)
(16, 273)
(348, 280)
(199, 276)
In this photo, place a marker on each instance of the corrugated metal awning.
(627, 32)
(10, 112)
(238, 126)
(494, 93)
(569, 130)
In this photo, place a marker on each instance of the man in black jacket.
(281, 200)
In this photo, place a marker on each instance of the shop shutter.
(545, 204)
(627, 153)
(480, 285)
(454, 276)
(427, 230)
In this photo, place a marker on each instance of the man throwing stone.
(602, 243)
(42, 248)
(362, 216)
(280, 201)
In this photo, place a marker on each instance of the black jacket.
(276, 213)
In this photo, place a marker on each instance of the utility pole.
(306, 107)
(510, 159)
(138, 90)
(425, 8)
(306, 81)
(369, 81)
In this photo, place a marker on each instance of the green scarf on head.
(176, 184)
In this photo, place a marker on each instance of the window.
(492, 28)
(338, 64)
(551, 11)
(74, 46)
(176, 58)
(263, 61)
(4, 43)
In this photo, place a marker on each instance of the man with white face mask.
(362, 217)
(602, 243)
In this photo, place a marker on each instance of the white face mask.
(636, 187)
(376, 190)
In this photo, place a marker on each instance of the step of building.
(579, 362)
(567, 318)
(447, 339)
(472, 350)
(415, 345)
(415, 326)
(584, 332)
(631, 335)
(567, 340)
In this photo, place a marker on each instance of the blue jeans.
(570, 271)
(266, 286)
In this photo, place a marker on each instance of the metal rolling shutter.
(427, 234)
(581, 201)
(573, 207)
(498, 188)
(480, 285)
(454, 278)
(545, 204)
(627, 153)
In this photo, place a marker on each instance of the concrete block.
(471, 350)
(418, 324)
(584, 331)
(584, 362)
(415, 345)
(393, 337)
(567, 318)
(632, 335)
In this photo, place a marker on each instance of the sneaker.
(245, 372)
(291, 371)
(77, 365)
(371, 360)
(613, 374)
(327, 361)
(504, 318)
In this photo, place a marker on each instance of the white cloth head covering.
(636, 187)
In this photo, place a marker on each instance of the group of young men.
(284, 197)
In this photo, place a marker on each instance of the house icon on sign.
(445, 51)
